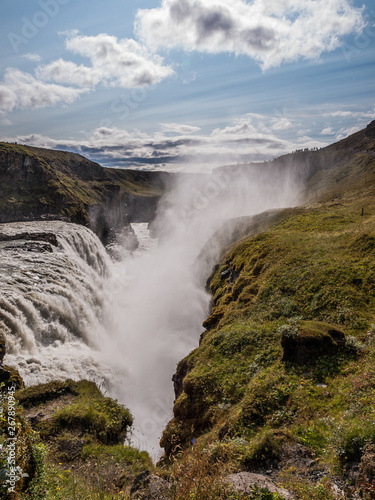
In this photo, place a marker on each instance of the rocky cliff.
(37, 184)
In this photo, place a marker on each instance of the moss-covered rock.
(310, 341)
(78, 408)
(80, 434)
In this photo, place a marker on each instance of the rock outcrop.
(8, 376)
(42, 184)
(248, 483)
(147, 486)
(310, 341)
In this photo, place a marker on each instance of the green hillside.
(283, 381)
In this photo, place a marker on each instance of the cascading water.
(52, 300)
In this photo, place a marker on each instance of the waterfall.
(68, 311)
(158, 299)
(52, 300)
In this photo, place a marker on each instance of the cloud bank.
(179, 146)
(270, 31)
(188, 148)
(114, 63)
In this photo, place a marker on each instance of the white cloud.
(114, 62)
(303, 132)
(21, 90)
(270, 31)
(345, 132)
(327, 131)
(242, 127)
(4, 119)
(61, 71)
(282, 124)
(32, 57)
(352, 114)
(179, 128)
(342, 114)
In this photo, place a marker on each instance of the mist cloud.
(272, 32)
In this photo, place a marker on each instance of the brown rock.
(147, 486)
(246, 482)
(310, 341)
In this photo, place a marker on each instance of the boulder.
(310, 341)
(147, 486)
(247, 482)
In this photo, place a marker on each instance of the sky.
(185, 85)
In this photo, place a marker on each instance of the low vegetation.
(287, 361)
(69, 444)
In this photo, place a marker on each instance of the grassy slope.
(240, 401)
(70, 443)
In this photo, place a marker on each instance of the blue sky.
(185, 84)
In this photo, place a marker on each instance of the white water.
(75, 314)
(51, 304)
(158, 317)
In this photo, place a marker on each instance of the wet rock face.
(36, 242)
(183, 369)
(2, 349)
(311, 341)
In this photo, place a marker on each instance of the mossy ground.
(70, 442)
(316, 264)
